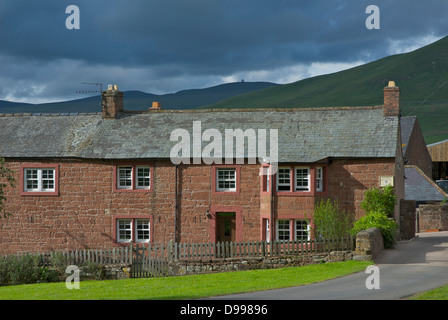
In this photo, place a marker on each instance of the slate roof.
(420, 187)
(304, 135)
(406, 127)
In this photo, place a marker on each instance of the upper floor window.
(296, 180)
(319, 179)
(284, 179)
(226, 179)
(302, 179)
(132, 177)
(39, 179)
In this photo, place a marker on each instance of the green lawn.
(185, 287)
(440, 293)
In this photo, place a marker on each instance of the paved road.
(412, 266)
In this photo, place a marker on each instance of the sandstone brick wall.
(350, 179)
(432, 217)
(83, 215)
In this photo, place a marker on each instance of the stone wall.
(369, 243)
(407, 219)
(199, 266)
(432, 217)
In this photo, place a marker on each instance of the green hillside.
(419, 74)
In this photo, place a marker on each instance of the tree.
(330, 221)
(380, 200)
(6, 178)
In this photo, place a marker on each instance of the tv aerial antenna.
(93, 91)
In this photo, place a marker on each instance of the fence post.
(170, 250)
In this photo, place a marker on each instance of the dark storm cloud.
(161, 44)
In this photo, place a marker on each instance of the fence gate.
(147, 263)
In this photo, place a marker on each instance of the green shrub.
(20, 269)
(379, 205)
(379, 200)
(330, 221)
(380, 221)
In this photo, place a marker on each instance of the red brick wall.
(349, 179)
(82, 215)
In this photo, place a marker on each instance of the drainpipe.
(175, 205)
(272, 224)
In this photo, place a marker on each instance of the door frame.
(213, 221)
(222, 218)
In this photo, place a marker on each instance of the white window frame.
(297, 230)
(132, 228)
(146, 229)
(319, 179)
(225, 179)
(144, 176)
(133, 178)
(128, 229)
(40, 179)
(280, 228)
(280, 176)
(302, 178)
(125, 178)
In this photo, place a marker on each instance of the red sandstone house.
(106, 179)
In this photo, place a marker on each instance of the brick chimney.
(112, 100)
(391, 106)
(156, 106)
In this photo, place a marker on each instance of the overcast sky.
(163, 46)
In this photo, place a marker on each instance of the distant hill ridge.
(420, 74)
(138, 100)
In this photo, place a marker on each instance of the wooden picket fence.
(153, 259)
(120, 255)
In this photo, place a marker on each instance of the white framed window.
(302, 230)
(124, 230)
(283, 179)
(283, 230)
(39, 180)
(143, 178)
(133, 230)
(142, 230)
(226, 179)
(302, 179)
(133, 177)
(319, 179)
(124, 178)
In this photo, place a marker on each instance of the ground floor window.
(292, 229)
(133, 230)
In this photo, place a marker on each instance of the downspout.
(175, 205)
(272, 224)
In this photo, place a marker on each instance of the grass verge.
(185, 287)
(440, 293)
